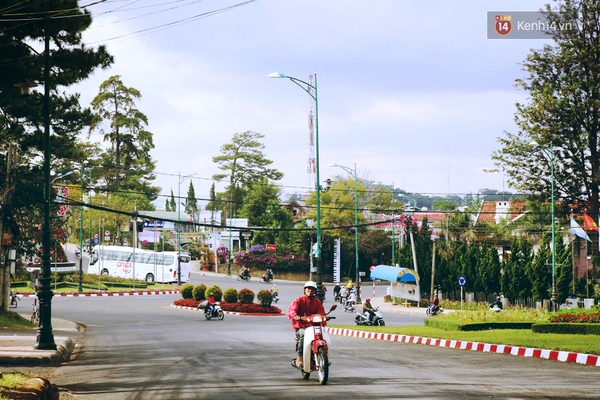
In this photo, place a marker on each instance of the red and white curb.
(199, 309)
(107, 294)
(554, 355)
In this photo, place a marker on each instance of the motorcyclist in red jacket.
(304, 306)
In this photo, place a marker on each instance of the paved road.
(141, 348)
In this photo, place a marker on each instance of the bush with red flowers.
(233, 307)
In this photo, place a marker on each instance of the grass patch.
(10, 319)
(588, 344)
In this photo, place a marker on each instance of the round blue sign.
(462, 280)
(96, 240)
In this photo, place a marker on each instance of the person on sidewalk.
(304, 305)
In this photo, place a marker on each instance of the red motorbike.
(316, 347)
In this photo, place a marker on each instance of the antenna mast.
(311, 168)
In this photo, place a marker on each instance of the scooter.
(431, 310)
(350, 306)
(217, 312)
(361, 319)
(275, 297)
(337, 297)
(242, 277)
(266, 279)
(316, 347)
(77, 253)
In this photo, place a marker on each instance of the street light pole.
(550, 153)
(80, 285)
(230, 249)
(45, 337)
(353, 173)
(308, 88)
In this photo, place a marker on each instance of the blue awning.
(395, 274)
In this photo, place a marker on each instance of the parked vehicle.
(77, 253)
(316, 347)
(377, 320)
(217, 312)
(433, 310)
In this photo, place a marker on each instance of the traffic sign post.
(461, 281)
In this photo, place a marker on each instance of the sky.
(412, 92)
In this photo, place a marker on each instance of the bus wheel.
(150, 278)
(104, 272)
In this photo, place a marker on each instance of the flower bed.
(583, 318)
(234, 307)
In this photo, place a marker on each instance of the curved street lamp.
(353, 173)
(549, 151)
(312, 92)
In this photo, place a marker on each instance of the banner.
(337, 245)
(578, 230)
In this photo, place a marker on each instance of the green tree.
(562, 112)
(191, 203)
(127, 163)
(244, 163)
(22, 117)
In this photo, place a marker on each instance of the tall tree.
(244, 162)
(128, 161)
(563, 111)
(191, 203)
(63, 62)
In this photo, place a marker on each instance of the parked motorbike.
(77, 253)
(350, 307)
(316, 347)
(266, 279)
(432, 311)
(377, 320)
(242, 277)
(217, 312)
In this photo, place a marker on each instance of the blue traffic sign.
(96, 240)
(462, 280)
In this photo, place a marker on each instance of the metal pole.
(178, 230)
(80, 283)
(393, 228)
(553, 298)
(45, 336)
(230, 238)
(358, 300)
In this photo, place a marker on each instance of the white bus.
(148, 265)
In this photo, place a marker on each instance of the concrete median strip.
(554, 355)
(108, 294)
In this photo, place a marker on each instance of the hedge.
(478, 326)
(567, 328)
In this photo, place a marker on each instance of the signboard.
(406, 291)
(125, 240)
(96, 235)
(336, 259)
(154, 224)
(271, 247)
(236, 222)
(462, 281)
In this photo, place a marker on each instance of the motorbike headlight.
(317, 318)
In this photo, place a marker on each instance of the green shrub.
(214, 289)
(186, 291)
(230, 295)
(199, 292)
(265, 298)
(576, 328)
(246, 296)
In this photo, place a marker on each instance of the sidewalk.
(391, 308)
(16, 345)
